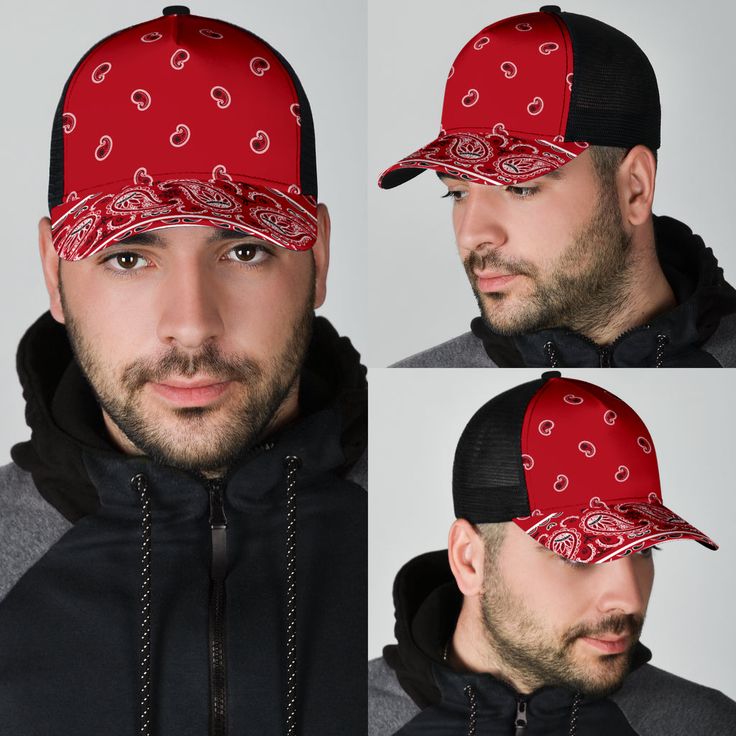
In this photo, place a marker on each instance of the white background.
(425, 297)
(417, 416)
(325, 42)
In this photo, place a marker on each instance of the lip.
(196, 392)
(490, 281)
(608, 644)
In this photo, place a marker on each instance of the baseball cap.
(182, 120)
(572, 465)
(528, 94)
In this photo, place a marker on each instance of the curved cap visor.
(87, 223)
(602, 533)
(485, 157)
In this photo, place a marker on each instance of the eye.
(572, 563)
(456, 194)
(125, 261)
(248, 253)
(648, 553)
(522, 192)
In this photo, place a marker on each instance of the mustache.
(616, 624)
(209, 359)
(491, 258)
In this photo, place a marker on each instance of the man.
(533, 626)
(550, 127)
(198, 437)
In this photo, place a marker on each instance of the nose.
(624, 585)
(188, 306)
(478, 220)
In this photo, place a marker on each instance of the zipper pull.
(218, 530)
(520, 721)
(604, 357)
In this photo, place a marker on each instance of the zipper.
(520, 722)
(604, 357)
(218, 572)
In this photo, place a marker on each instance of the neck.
(645, 293)
(471, 650)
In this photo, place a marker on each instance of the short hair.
(492, 535)
(607, 159)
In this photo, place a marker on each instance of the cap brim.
(487, 157)
(89, 222)
(601, 533)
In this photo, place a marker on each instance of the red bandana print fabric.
(505, 107)
(592, 477)
(181, 120)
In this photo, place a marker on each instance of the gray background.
(424, 294)
(417, 417)
(325, 42)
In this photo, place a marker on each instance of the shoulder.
(29, 525)
(465, 351)
(722, 343)
(658, 703)
(389, 707)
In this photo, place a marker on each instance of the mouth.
(491, 281)
(182, 392)
(608, 644)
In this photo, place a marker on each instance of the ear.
(321, 251)
(635, 179)
(50, 263)
(466, 553)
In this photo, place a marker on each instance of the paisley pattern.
(599, 532)
(516, 71)
(92, 223)
(206, 102)
(593, 485)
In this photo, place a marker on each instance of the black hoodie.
(233, 606)
(455, 703)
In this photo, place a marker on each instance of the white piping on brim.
(73, 209)
(553, 515)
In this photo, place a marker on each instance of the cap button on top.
(550, 9)
(175, 10)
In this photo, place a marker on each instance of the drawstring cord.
(141, 487)
(574, 716)
(473, 718)
(549, 349)
(292, 464)
(662, 340)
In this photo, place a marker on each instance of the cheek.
(259, 314)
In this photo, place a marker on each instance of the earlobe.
(50, 263)
(466, 557)
(638, 173)
(321, 252)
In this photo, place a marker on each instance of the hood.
(427, 603)
(671, 339)
(66, 421)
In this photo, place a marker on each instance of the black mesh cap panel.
(488, 482)
(615, 98)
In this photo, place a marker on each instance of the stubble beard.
(586, 289)
(199, 440)
(530, 653)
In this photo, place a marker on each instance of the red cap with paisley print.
(181, 120)
(591, 474)
(505, 109)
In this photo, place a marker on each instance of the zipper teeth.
(217, 631)
(217, 660)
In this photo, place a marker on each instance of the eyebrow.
(152, 238)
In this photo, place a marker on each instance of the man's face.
(192, 338)
(548, 253)
(551, 622)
